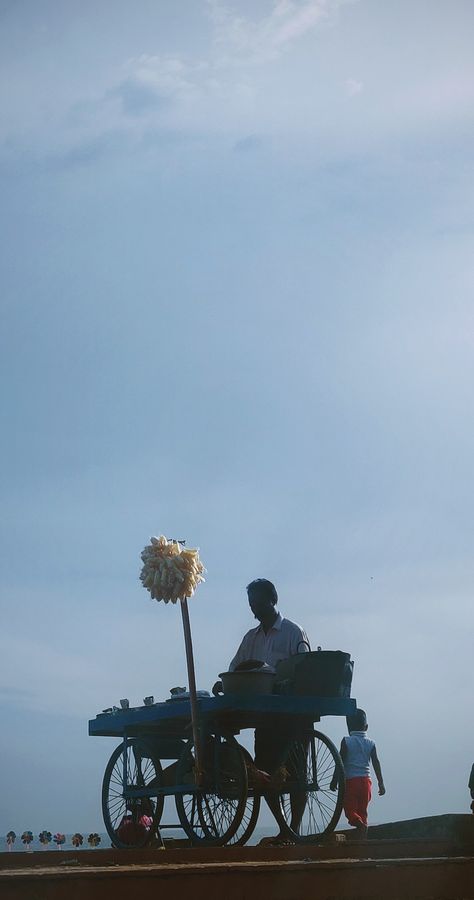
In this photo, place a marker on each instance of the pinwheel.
(93, 840)
(10, 839)
(27, 838)
(44, 838)
(59, 839)
(77, 840)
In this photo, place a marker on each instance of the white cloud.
(170, 76)
(236, 41)
(274, 69)
(240, 38)
(353, 87)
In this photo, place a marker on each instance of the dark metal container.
(322, 673)
(247, 682)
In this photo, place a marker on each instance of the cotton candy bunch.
(170, 571)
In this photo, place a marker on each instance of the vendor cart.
(219, 804)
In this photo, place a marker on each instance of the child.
(357, 752)
(136, 823)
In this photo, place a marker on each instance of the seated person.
(136, 823)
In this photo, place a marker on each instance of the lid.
(261, 670)
(185, 695)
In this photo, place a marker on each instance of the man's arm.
(377, 770)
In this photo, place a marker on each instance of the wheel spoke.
(221, 805)
(313, 763)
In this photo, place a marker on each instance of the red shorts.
(357, 797)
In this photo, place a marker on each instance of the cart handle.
(217, 689)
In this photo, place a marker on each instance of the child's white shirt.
(358, 753)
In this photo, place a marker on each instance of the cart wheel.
(249, 821)
(121, 816)
(213, 813)
(308, 808)
(251, 811)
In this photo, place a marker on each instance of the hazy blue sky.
(237, 277)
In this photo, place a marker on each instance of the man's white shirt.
(281, 641)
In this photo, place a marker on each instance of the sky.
(237, 274)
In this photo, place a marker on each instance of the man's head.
(262, 599)
(357, 722)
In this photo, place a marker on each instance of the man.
(274, 639)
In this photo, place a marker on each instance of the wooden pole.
(192, 689)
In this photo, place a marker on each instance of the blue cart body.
(230, 713)
(163, 731)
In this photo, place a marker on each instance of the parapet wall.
(426, 868)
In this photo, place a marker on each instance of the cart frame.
(223, 809)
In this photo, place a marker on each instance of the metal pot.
(324, 673)
(247, 682)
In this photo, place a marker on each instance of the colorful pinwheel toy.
(10, 839)
(59, 839)
(27, 838)
(77, 840)
(44, 838)
(93, 840)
